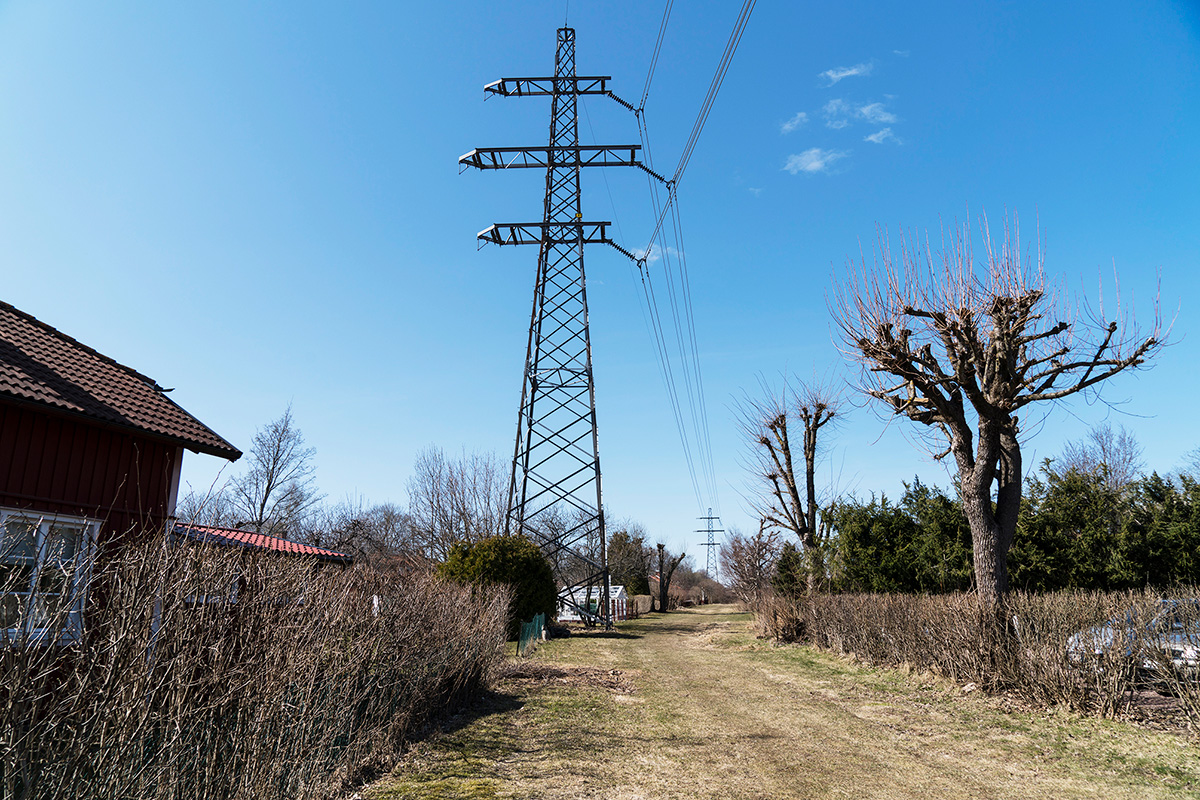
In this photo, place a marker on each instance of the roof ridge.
(88, 348)
(219, 530)
(162, 417)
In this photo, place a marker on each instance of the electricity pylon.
(554, 494)
(711, 565)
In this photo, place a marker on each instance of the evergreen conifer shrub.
(513, 561)
(790, 579)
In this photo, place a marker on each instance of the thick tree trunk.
(1008, 489)
(991, 567)
(996, 460)
(811, 555)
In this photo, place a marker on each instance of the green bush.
(790, 576)
(922, 544)
(510, 560)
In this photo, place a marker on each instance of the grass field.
(691, 705)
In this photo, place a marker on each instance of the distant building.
(618, 600)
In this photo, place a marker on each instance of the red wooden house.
(90, 455)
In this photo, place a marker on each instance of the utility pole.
(711, 562)
(554, 494)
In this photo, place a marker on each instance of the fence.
(530, 633)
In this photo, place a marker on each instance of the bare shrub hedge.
(1026, 653)
(207, 673)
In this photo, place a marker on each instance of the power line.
(662, 31)
(735, 38)
(675, 271)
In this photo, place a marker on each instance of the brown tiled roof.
(41, 365)
(207, 534)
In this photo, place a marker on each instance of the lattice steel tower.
(554, 493)
(711, 544)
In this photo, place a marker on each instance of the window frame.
(70, 630)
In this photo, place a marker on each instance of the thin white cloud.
(875, 112)
(903, 53)
(838, 73)
(755, 191)
(879, 137)
(813, 160)
(653, 253)
(794, 122)
(839, 114)
(836, 114)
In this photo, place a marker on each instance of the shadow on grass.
(673, 625)
(613, 634)
(450, 720)
(485, 704)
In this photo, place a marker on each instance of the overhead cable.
(735, 38)
(695, 437)
(662, 30)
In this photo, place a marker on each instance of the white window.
(45, 563)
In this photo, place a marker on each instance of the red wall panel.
(61, 465)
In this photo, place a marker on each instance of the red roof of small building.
(41, 365)
(236, 537)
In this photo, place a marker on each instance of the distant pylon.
(554, 494)
(711, 565)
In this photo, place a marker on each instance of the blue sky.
(260, 205)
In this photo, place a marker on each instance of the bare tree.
(1191, 463)
(962, 348)
(278, 490)
(369, 533)
(695, 585)
(456, 500)
(749, 562)
(1116, 454)
(213, 507)
(769, 424)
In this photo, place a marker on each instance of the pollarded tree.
(667, 564)
(781, 501)
(963, 348)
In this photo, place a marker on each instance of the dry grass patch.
(692, 705)
(537, 673)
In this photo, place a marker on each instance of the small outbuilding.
(589, 598)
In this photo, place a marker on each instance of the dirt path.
(691, 705)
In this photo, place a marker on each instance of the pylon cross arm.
(509, 233)
(575, 155)
(505, 233)
(545, 86)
